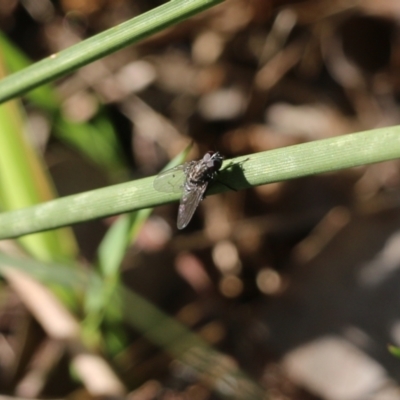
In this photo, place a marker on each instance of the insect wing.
(189, 202)
(171, 180)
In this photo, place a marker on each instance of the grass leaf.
(257, 169)
(100, 45)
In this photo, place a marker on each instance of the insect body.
(192, 180)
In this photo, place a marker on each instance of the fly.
(191, 179)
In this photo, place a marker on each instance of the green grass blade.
(261, 168)
(113, 246)
(15, 60)
(23, 182)
(95, 139)
(100, 45)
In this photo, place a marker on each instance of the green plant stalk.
(100, 45)
(256, 169)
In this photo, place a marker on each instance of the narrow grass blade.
(23, 182)
(101, 45)
(15, 60)
(256, 169)
(95, 139)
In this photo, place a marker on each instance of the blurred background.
(296, 282)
